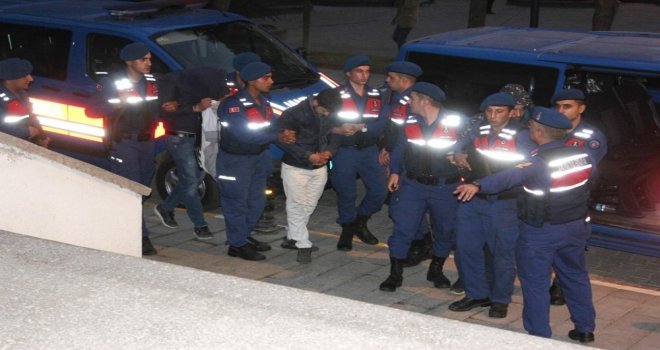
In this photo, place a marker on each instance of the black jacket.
(313, 134)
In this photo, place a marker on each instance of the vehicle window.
(46, 48)
(216, 45)
(468, 81)
(103, 56)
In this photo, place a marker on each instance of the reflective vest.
(349, 112)
(256, 122)
(399, 114)
(16, 111)
(569, 169)
(498, 155)
(579, 138)
(124, 87)
(428, 157)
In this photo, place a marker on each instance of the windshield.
(215, 45)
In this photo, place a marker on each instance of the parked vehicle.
(620, 74)
(73, 44)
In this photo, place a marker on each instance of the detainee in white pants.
(303, 189)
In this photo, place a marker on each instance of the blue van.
(74, 43)
(620, 73)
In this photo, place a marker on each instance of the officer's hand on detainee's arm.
(325, 155)
(316, 159)
(465, 192)
(203, 104)
(384, 157)
(393, 184)
(287, 136)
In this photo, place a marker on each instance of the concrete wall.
(51, 196)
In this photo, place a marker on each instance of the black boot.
(395, 278)
(414, 253)
(556, 294)
(435, 274)
(345, 242)
(362, 231)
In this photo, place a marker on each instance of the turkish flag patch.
(234, 109)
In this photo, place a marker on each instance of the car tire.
(166, 180)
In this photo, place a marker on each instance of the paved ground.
(626, 287)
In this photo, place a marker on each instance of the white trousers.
(303, 188)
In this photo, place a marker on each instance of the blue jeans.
(182, 150)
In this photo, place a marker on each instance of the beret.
(244, 58)
(551, 118)
(519, 94)
(404, 67)
(498, 99)
(254, 71)
(567, 94)
(430, 90)
(133, 51)
(356, 61)
(14, 68)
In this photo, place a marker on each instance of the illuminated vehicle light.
(67, 120)
(160, 130)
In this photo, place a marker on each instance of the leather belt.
(433, 180)
(182, 134)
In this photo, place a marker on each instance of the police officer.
(234, 81)
(16, 116)
(128, 102)
(183, 96)
(571, 103)
(490, 220)
(422, 180)
(552, 229)
(400, 77)
(360, 124)
(244, 162)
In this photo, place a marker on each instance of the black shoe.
(258, 246)
(582, 337)
(435, 274)
(345, 242)
(467, 304)
(304, 255)
(246, 252)
(498, 310)
(556, 294)
(363, 232)
(395, 279)
(147, 247)
(166, 217)
(291, 244)
(457, 288)
(203, 233)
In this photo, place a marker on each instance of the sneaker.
(258, 246)
(457, 288)
(166, 217)
(147, 247)
(291, 244)
(203, 233)
(304, 255)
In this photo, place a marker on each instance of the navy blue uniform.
(129, 125)
(358, 155)
(552, 232)
(427, 183)
(14, 114)
(244, 162)
(490, 220)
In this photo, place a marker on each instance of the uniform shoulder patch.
(99, 87)
(234, 109)
(594, 144)
(523, 165)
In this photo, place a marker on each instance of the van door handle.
(50, 87)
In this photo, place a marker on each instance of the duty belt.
(433, 180)
(182, 134)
